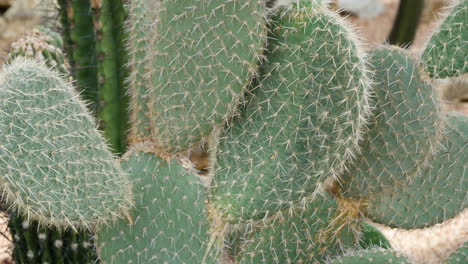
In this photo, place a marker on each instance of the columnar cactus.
(307, 135)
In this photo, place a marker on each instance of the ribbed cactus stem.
(81, 47)
(111, 58)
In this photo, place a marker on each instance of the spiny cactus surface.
(169, 223)
(446, 54)
(279, 163)
(204, 55)
(55, 166)
(437, 193)
(303, 119)
(307, 234)
(139, 23)
(371, 256)
(403, 132)
(460, 256)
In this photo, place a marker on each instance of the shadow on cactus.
(307, 135)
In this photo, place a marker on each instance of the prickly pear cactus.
(301, 123)
(204, 56)
(170, 211)
(446, 54)
(42, 118)
(323, 136)
(34, 243)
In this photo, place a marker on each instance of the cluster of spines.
(315, 229)
(437, 192)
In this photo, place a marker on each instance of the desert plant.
(34, 243)
(307, 134)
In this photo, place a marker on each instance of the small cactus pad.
(142, 16)
(402, 135)
(446, 54)
(306, 234)
(168, 224)
(460, 256)
(205, 52)
(42, 45)
(54, 164)
(371, 256)
(437, 193)
(303, 119)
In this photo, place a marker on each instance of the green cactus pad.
(54, 164)
(404, 131)
(142, 16)
(203, 58)
(372, 237)
(306, 234)
(460, 256)
(169, 222)
(371, 256)
(303, 120)
(437, 193)
(446, 54)
(42, 45)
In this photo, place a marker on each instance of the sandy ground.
(429, 245)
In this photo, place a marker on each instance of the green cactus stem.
(142, 16)
(111, 59)
(80, 47)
